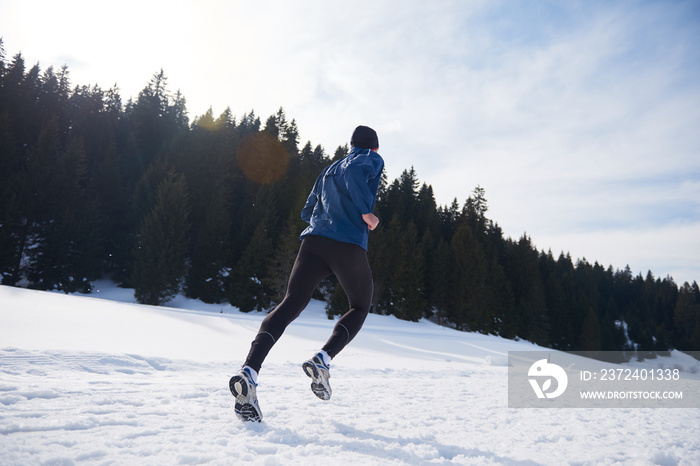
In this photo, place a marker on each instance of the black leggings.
(319, 257)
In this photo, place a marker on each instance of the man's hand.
(371, 220)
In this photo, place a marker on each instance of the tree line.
(91, 186)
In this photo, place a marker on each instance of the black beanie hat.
(364, 137)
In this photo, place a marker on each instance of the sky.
(579, 119)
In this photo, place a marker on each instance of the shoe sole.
(245, 410)
(320, 389)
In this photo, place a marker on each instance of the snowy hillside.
(106, 381)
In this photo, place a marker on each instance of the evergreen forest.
(92, 186)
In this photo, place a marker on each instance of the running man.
(339, 211)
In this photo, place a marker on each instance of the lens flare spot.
(263, 158)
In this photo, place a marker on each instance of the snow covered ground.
(85, 380)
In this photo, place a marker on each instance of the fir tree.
(340, 152)
(443, 281)
(408, 301)
(337, 304)
(161, 251)
(589, 338)
(686, 314)
(248, 288)
(283, 259)
(523, 273)
(66, 253)
(208, 273)
(470, 309)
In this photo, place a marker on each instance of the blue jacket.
(343, 192)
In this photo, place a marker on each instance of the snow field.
(93, 381)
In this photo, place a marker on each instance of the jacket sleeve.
(311, 200)
(358, 176)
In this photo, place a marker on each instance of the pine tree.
(283, 259)
(11, 218)
(471, 307)
(524, 275)
(589, 337)
(161, 251)
(685, 315)
(553, 277)
(474, 212)
(408, 302)
(54, 90)
(155, 119)
(449, 220)
(248, 288)
(248, 124)
(2, 58)
(427, 249)
(381, 261)
(66, 255)
(107, 188)
(400, 198)
(340, 152)
(285, 132)
(695, 336)
(386, 260)
(441, 276)
(426, 217)
(37, 192)
(337, 304)
(208, 273)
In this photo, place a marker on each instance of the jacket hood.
(343, 163)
